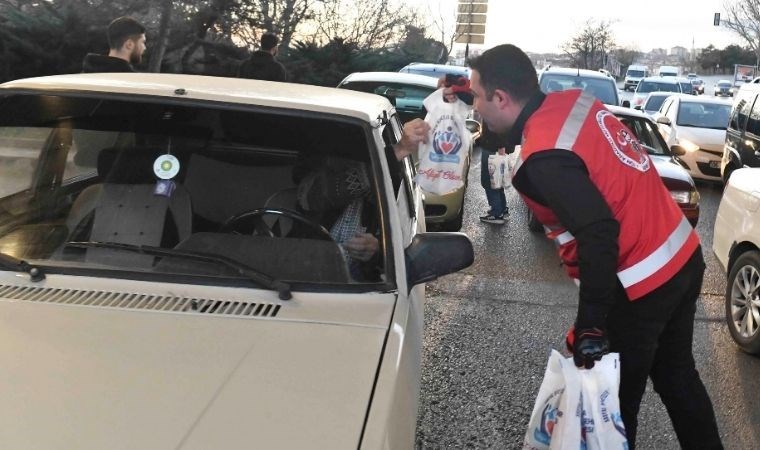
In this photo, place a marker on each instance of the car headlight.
(688, 145)
(685, 197)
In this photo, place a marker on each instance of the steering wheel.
(262, 228)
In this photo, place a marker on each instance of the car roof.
(686, 98)
(293, 96)
(625, 111)
(442, 68)
(580, 72)
(393, 77)
(671, 80)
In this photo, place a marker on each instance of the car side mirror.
(639, 107)
(431, 255)
(626, 104)
(678, 150)
(473, 126)
(664, 120)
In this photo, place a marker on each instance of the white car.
(695, 128)
(654, 84)
(652, 102)
(599, 84)
(724, 88)
(736, 243)
(164, 284)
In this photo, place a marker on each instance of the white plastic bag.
(442, 159)
(499, 171)
(577, 408)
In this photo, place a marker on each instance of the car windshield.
(646, 133)
(205, 190)
(654, 102)
(704, 115)
(636, 73)
(696, 82)
(654, 86)
(724, 84)
(407, 98)
(603, 89)
(685, 86)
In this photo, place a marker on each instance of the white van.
(633, 75)
(668, 71)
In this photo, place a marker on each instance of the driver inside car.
(336, 193)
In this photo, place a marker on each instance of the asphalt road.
(490, 328)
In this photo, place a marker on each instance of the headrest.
(330, 184)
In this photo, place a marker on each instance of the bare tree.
(443, 22)
(591, 44)
(364, 23)
(164, 27)
(744, 20)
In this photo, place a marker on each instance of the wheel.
(253, 222)
(743, 302)
(533, 223)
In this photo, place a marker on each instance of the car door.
(668, 110)
(749, 151)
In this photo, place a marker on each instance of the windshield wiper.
(260, 278)
(19, 265)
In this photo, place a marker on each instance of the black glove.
(589, 346)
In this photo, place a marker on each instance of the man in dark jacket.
(126, 40)
(262, 65)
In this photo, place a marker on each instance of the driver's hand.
(363, 246)
(415, 131)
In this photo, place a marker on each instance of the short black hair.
(122, 29)
(269, 41)
(508, 68)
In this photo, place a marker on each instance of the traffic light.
(716, 19)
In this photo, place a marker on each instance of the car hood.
(706, 138)
(94, 377)
(673, 175)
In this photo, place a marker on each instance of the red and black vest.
(655, 238)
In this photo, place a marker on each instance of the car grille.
(133, 301)
(707, 170)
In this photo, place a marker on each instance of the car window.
(654, 102)
(753, 122)
(685, 86)
(666, 106)
(261, 189)
(703, 115)
(407, 98)
(646, 133)
(603, 89)
(740, 113)
(635, 73)
(652, 86)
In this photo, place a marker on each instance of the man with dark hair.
(620, 235)
(262, 65)
(126, 40)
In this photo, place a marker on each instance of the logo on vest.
(624, 145)
(446, 144)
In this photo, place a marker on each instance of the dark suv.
(742, 148)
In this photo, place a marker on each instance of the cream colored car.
(162, 284)
(736, 243)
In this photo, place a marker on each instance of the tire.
(533, 224)
(743, 316)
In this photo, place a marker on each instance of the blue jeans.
(497, 200)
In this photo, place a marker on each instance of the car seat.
(125, 208)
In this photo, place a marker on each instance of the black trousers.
(654, 338)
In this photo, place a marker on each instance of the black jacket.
(262, 66)
(94, 63)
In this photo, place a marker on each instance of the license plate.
(715, 164)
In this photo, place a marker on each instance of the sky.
(542, 26)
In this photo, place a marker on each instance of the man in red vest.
(620, 235)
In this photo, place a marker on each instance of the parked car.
(435, 70)
(654, 84)
(676, 179)
(736, 244)
(695, 128)
(742, 147)
(600, 85)
(158, 293)
(653, 101)
(407, 91)
(723, 88)
(698, 85)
